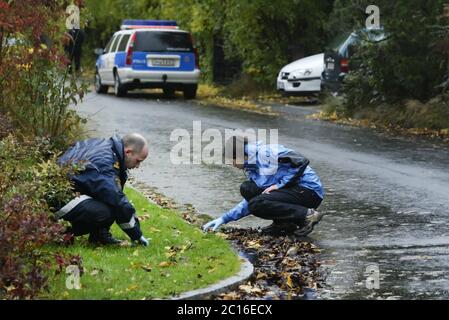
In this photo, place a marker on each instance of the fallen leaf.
(132, 287)
(146, 267)
(231, 296)
(289, 281)
(165, 264)
(292, 251)
(261, 275)
(96, 272)
(254, 244)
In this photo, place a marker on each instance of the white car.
(302, 77)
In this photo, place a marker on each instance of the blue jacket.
(275, 164)
(102, 176)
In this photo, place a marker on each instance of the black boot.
(103, 236)
(279, 228)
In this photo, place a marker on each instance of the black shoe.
(104, 237)
(279, 228)
(312, 218)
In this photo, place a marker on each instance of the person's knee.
(256, 205)
(104, 215)
(245, 189)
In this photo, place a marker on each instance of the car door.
(110, 58)
(102, 60)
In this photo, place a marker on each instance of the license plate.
(281, 85)
(330, 66)
(162, 62)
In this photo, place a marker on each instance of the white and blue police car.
(148, 54)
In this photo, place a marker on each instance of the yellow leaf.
(254, 244)
(164, 264)
(261, 275)
(289, 281)
(132, 287)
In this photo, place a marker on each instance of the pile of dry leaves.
(285, 267)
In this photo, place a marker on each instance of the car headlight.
(300, 73)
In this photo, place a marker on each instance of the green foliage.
(259, 33)
(36, 88)
(30, 177)
(408, 65)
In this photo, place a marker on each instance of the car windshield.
(342, 43)
(163, 41)
(337, 42)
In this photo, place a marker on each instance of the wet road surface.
(387, 197)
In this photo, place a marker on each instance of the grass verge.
(180, 258)
(411, 117)
(246, 98)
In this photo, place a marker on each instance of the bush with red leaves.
(29, 183)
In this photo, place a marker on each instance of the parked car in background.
(338, 53)
(148, 54)
(302, 77)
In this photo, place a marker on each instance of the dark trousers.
(90, 216)
(283, 205)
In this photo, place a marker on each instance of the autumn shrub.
(31, 186)
(36, 86)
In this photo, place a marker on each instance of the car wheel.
(190, 91)
(119, 89)
(99, 88)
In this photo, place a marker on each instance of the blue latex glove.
(214, 224)
(143, 241)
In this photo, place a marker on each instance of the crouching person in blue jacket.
(101, 172)
(281, 187)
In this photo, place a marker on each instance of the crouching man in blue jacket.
(282, 187)
(101, 172)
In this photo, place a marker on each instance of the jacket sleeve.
(102, 187)
(239, 211)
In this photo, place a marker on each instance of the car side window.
(116, 42)
(108, 46)
(123, 42)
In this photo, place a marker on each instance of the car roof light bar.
(137, 24)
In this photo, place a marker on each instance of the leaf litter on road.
(285, 267)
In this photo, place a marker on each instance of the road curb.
(246, 271)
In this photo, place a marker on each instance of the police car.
(148, 54)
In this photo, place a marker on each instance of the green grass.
(180, 258)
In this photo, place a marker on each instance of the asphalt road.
(385, 233)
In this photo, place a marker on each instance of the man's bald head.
(136, 149)
(134, 141)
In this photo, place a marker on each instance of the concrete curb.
(246, 270)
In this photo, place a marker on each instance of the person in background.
(281, 187)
